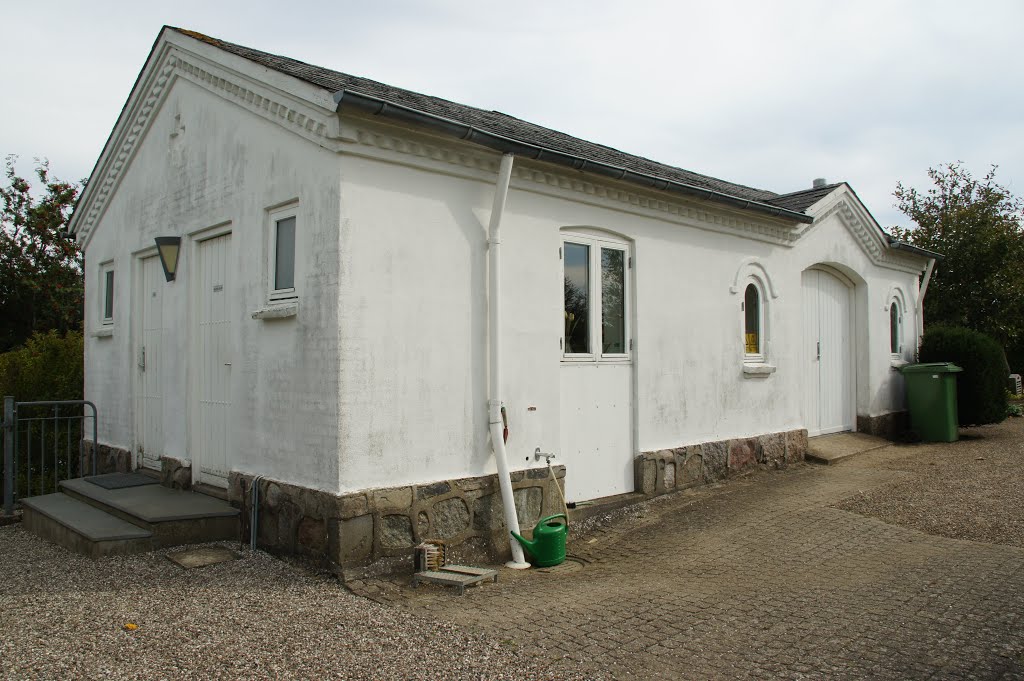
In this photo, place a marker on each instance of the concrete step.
(173, 516)
(85, 529)
(840, 447)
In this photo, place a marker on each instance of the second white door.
(211, 412)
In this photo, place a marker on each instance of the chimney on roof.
(818, 183)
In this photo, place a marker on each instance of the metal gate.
(44, 443)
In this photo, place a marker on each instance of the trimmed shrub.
(48, 366)
(981, 388)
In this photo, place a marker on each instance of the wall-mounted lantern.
(168, 248)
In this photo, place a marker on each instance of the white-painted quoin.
(327, 326)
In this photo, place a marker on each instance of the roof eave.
(403, 114)
(903, 246)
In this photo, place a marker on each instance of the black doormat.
(121, 480)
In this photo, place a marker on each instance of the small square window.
(107, 293)
(284, 255)
(282, 263)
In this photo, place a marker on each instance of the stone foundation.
(175, 474)
(670, 470)
(358, 528)
(108, 459)
(891, 426)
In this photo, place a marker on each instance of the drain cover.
(571, 564)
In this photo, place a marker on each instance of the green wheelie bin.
(931, 397)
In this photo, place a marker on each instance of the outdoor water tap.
(537, 454)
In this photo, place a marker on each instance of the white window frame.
(274, 216)
(895, 300)
(596, 244)
(104, 269)
(760, 357)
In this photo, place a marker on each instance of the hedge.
(48, 366)
(981, 388)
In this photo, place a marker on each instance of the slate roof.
(803, 199)
(503, 125)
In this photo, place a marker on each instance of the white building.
(327, 326)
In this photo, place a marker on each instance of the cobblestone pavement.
(758, 577)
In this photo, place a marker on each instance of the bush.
(48, 366)
(981, 388)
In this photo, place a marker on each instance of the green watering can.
(548, 545)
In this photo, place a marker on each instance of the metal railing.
(39, 439)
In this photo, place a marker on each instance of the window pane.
(894, 329)
(752, 320)
(577, 298)
(108, 295)
(613, 301)
(284, 267)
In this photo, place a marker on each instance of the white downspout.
(494, 419)
(920, 300)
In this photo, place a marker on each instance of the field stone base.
(356, 529)
(108, 459)
(669, 470)
(891, 426)
(175, 474)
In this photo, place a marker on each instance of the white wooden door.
(211, 412)
(150, 363)
(828, 331)
(596, 373)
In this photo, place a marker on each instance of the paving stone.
(760, 577)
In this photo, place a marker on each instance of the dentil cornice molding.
(868, 236)
(544, 179)
(313, 123)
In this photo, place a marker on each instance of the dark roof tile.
(492, 121)
(803, 199)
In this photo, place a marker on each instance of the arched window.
(895, 328)
(753, 281)
(752, 320)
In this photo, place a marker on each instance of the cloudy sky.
(769, 94)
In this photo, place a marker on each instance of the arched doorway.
(829, 342)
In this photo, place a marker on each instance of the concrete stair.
(94, 521)
(833, 449)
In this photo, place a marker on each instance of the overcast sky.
(766, 94)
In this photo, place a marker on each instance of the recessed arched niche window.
(753, 324)
(753, 285)
(895, 327)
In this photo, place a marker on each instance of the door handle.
(142, 358)
(819, 351)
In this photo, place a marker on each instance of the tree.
(978, 225)
(41, 286)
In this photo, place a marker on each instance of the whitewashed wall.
(226, 166)
(381, 377)
(412, 295)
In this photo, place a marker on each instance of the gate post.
(8, 456)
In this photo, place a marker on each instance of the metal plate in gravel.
(202, 556)
(571, 564)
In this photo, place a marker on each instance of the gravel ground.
(972, 490)
(64, 616)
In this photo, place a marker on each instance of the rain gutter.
(901, 246)
(403, 114)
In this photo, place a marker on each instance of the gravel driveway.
(972, 489)
(62, 616)
(907, 562)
